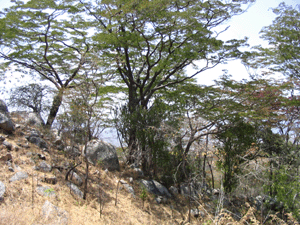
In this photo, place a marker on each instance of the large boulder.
(30, 118)
(156, 188)
(103, 153)
(5, 121)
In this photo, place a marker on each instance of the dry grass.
(23, 205)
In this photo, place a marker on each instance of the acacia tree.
(48, 39)
(30, 96)
(153, 42)
(283, 53)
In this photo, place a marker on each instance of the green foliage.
(236, 140)
(283, 37)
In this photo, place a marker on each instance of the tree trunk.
(57, 100)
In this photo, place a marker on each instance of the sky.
(249, 24)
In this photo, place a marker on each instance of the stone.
(156, 188)
(18, 176)
(41, 156)
(7, 145)
(2, 138)
(161, 199)
(196, 213)
(11, 169)
(44, 167)
(173, 190)
(6, 158)
(45, 191)
(2, 190)
(50, 180)
(54, 214)
(75, 190)
(128, 188)
(76, 178)
(5, 122)
(72, 151)
(139, 172)
(37, 141)
(102, 153)
(34, 119)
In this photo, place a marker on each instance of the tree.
(283, 53)
(30, 96)
(45, 38)
(152, 44)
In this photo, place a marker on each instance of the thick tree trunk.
(57, 100)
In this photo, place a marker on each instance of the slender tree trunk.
(57, 100)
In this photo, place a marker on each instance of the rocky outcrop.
(5, 122)
(102, 153)
(156, 188)
(36, 138)
(75, 190)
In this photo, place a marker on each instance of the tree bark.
(57, 100)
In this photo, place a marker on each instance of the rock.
(2, 138)
(139, 172)
(161, 199)
(11, 169)
(128, 188)
(45, 191)
(7, 145)
(41, 156)
(34, 119)
(196, 213)
(130, 180)
(44, 167)
(5, 121)
(37, 141)
(76, 178)
(54, 214)
(18, 176)
(75, 189)
(72, 151)
(6, 158)
(216, 191)
(50, 180)
(2, 190)
(100, 152)
(173, 190)
(156, 188)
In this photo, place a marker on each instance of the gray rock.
(6, 123)
(11, 169)
(173, 190)
(34, 119)
(52, 213)
(161, 199)
(72, 151)
(196, 213)
(3, 107)
(44, 167)
(156, 188)
(76, 178)
(7, 145)
(37, 141)
(103, 153)
(128, 188)
(2, 138)
(2, 190)
(45, 191)
(139, 172)
(75, 189)
(18, 176)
